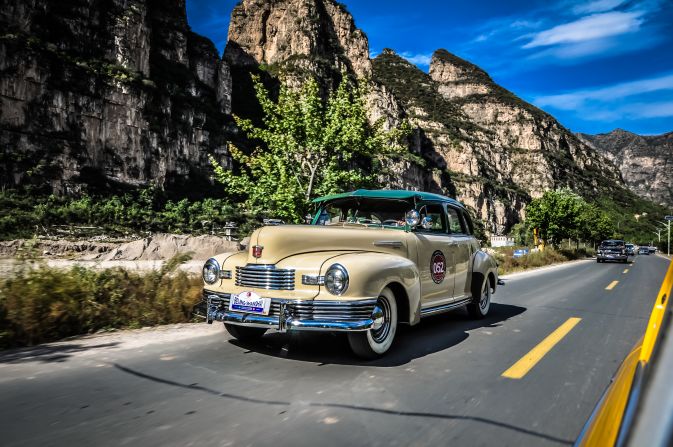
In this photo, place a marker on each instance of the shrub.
(40, 303)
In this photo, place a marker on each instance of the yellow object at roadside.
(611, 419)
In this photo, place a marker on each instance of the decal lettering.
(438, 266)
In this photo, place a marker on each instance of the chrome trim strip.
(393, 244)
(444, 307)
(329, 325)
(312, 280)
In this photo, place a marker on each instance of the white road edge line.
(535, 271)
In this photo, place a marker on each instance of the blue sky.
(595, 65)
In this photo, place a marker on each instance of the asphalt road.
(442, 384)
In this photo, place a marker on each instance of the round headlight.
(211, 271)
(336, 279)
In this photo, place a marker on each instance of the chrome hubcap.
(378, 318)
(483, 302)
(381, 316)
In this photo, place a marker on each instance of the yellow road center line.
(626, 271)
(528, 361)
(612, 285)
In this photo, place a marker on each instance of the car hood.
(280, 242)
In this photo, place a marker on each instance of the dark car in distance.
(612, 250)
(630, 250)
(644, 250)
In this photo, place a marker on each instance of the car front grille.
(265, 276)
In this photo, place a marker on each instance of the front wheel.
(481, 299)
(244, 333)
(376, 341)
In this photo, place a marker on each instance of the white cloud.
(633, 111)
(422, 59)
(609, 94)
(593, 27)
(597, 6)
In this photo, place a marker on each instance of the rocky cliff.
(646, 162)
(101, 93)
(122, 90)
(311, 35)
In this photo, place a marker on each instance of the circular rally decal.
(438, 266)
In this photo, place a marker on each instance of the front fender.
(369, 273)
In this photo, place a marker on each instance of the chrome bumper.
(612, 256)
(292, 315)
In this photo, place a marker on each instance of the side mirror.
(412, 218)
(426, 223)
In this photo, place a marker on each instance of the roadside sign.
(519, 253)
(668, 217)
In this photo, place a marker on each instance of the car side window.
(455, 222)
(435, 212)
(467, 222)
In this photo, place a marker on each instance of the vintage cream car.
(370, 260)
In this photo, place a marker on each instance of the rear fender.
(485, 264)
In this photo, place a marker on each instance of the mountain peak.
(306, 33)
(619, 131)
(447, 67)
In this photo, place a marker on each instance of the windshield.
(364, 211)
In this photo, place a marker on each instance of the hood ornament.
(257, 251)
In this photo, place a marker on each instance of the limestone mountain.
(473, 139)
(494, 149)
(318, 36)
(108, 92)
(646, 162)
(123, 92)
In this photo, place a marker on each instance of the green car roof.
(401, 194)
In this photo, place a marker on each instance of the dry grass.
(508, 264)
(40, 303)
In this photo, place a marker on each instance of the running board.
(444, 307)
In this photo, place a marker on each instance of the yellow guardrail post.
(607, 422)
(657, 316)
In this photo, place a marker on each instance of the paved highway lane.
(442, 383)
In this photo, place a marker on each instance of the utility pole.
(669, 219)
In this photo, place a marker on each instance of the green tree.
(595, 224)
(312, 146)
(522, 234)
(557, 215)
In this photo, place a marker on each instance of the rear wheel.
(376, 341)
(244, 333)
(481, 298)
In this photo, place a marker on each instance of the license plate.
(250, 303)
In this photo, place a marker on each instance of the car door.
(433, 260)
(460, 249)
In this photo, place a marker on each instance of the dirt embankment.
(159, 247)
